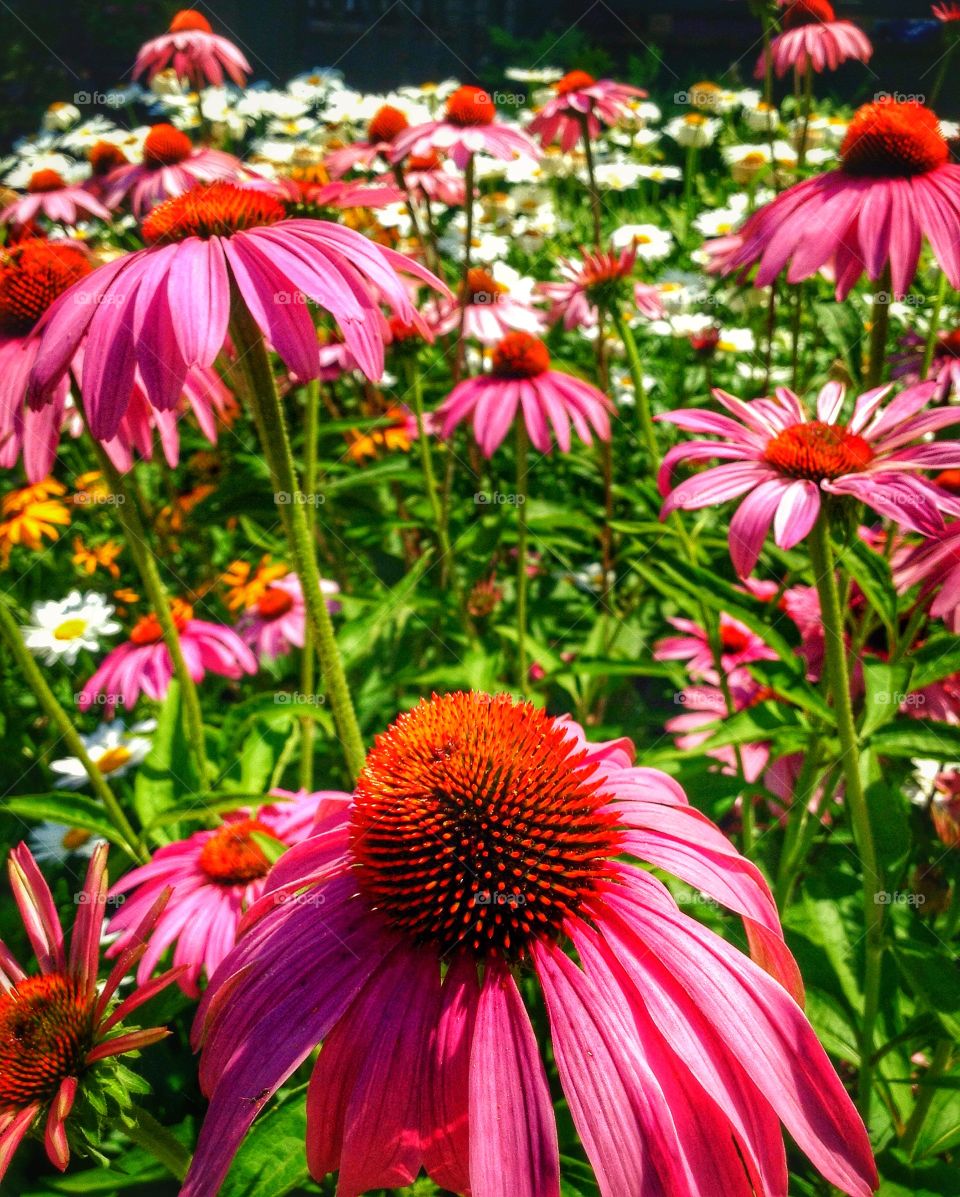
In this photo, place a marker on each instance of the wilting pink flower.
(49, 195)
(469, 127)
(277, 620)
(600, 276)
(491, 310)
(386, 124)
(782, 461)
(167, 307)
(896, 186)
(704, 705)
(194, 51)
(521, 379)
(739, 646)
(143, 663)
(935, 566)
(171, 165)
(213, 877)
(582, 100)
(55, 1026)
(678, 1054)
(813, 39)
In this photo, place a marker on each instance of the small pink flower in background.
(277, 620)
(171, 165)
(428, 177)
(813, 39)
(143, 663)
(386, 124)
(212, 241)
(49, 195)
(738, 647)
(469, 127)
(947, 12)
(213, 878)
(195, 53)
(781, 777)
(783, 462)
(934, 565)
(600, 276)
(56, 1025)
(705, 705)
(497, 302)
(896, 186)
(678, 1055)
(521, 380)
(906, 364)
(582, 100)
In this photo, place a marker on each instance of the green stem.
(689, 177)
(153, 1137)
(252, 354)
(804, 129)
(521, 498)
(837, 673)
(879, 329)
(30, 672)
(931, 342)
(942, 73)
(308, 727)
(595, 205)
(648, 429)
(928, 1091)
(128, 512)
(459, 358)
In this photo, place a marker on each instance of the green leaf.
(271, 1159)
(932, 976)
(167, 774)
(941, 1127)
(872, 574)
(65, 806)
(886, 688)
(918, 738)
(938, 658)
(889, 813)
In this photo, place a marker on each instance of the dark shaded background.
(51, 49)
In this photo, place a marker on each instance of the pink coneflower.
(896, 186)
(582, 100)
(167, 307)
(427, 177)
(143, 663)
(521, 379)
(55, 1026)
(490, 312)
(907, 364)
(194, 51)
(171, 165)
(934, 566)
(50, 195)
(469, 127)
(386, 124)
(277, 619)
(214, 877)
(739, 646)
(946, 12)
(599, 278)
(706, 704)
(783, 461)
(813, 39)
(484, 833)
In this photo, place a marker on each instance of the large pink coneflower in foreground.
(784, 462)
(50, 195)
(469, 127)
(812, 39)
(194, 52)
(213, 876)
(167, 307)
(580, 100)
(521, 381)
(483, 838)
(171, 165)
(896, 186)
(143, 663)
(58, 1024)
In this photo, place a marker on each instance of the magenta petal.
(751, 523)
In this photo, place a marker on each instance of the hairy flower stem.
(930, 346)
(522, 488)
(838, 675)
(32, 675)
(269, 416)
(128, 512)
(648, 429)
(879, 330)
(806, 101)
(461, 351)
(144, 1130)
(308, 728)
(595, 204)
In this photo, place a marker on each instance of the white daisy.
(55, 843)
(62, 627)
(652, 243)
(112, 748)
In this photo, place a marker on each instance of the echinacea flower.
(50, 195)
(171, 165)
(386, 124)
(143, 663)
(738, 647)
(895, 187)
(521, 381)
(704, 705)
(906, 364)
(214, 877)
(485, 834)
(113, 748)
(934, 565)
(56, 1025)
(166, 308)
(276, 620)
(947, 12)
(494, 302)
(812, 39)
(580, 103)
(60, 629)
(600, 278)
(469, 127)
(194, 52)
(783, 462)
